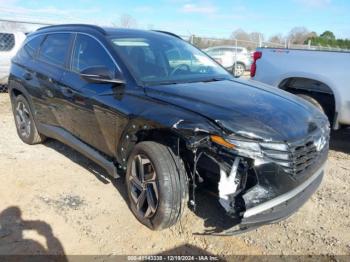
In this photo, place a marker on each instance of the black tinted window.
(54, 48)
(31, 47)
(7, 41)
(89, 53)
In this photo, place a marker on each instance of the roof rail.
(168, 33)
(95, 27)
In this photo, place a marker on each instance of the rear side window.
(31, 47)
(89, 53)
(7, 41)
(54, 49)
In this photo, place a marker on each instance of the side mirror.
(100, 74)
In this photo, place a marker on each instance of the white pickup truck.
(321, 77)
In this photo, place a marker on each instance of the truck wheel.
(25, 124)
(312, 101)
(156, 184)
(238, 70)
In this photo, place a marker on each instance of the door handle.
(27, 76)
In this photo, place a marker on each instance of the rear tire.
(25, 124)
(158, 197)
(313, 101)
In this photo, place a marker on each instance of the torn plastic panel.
(228, 185)
(247, 184)
(193, 134)
(245, 177)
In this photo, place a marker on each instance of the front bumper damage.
(262, 194)
(278, 208)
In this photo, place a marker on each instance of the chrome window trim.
(76, 32)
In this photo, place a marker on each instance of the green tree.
(328, 35)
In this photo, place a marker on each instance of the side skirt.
(65, 137)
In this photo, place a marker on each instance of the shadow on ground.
(14, 242)
(208, 208)
(215, 222)
(188, 250)
(215, 218)
(340, 140)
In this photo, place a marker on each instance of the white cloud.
(46, 14)
(144, 9)
(200, 9)
(50, 10)
(314, 3)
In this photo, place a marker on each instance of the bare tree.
(240, 34)
(298, 35)
(256, 38)
(248, 40)
(127, 21)
(277, 39)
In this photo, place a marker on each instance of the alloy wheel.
(143, 186)
(23, 121)
(239, 70)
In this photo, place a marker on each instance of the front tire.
(156, 184)
(25, 125)
(313, 101)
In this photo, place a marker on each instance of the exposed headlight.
(243, 148)
(255, 150)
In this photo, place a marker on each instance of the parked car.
(320, 77)
(227, 55)
(119, 97)
(9, 44)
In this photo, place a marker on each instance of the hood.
(245, 108)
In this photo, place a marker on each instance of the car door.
(85, 117)
(49, 67)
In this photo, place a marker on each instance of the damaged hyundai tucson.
(153, 108)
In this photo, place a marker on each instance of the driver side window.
(88, 52)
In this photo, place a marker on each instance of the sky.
(186, 17)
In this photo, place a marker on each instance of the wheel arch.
(316, 88)
(182, 136)
(165, 136)
(15, 89)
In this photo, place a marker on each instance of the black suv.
(153, 107)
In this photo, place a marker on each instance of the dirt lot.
(54, 200)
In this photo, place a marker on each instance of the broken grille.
(298, 156)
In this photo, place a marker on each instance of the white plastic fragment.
(228, 185)
(177, 123)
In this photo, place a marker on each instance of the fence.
(206, 42)
(201, 42)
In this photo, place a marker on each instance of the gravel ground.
(53, 200)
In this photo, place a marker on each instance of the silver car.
(10, 42)
(227, 55)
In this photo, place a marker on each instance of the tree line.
(250, 40)
(296, 36)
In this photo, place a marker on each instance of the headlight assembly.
(254, 150)
(243, 148)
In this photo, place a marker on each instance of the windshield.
(158, 59)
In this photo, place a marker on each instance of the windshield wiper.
(173, 82)
(214, 79)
